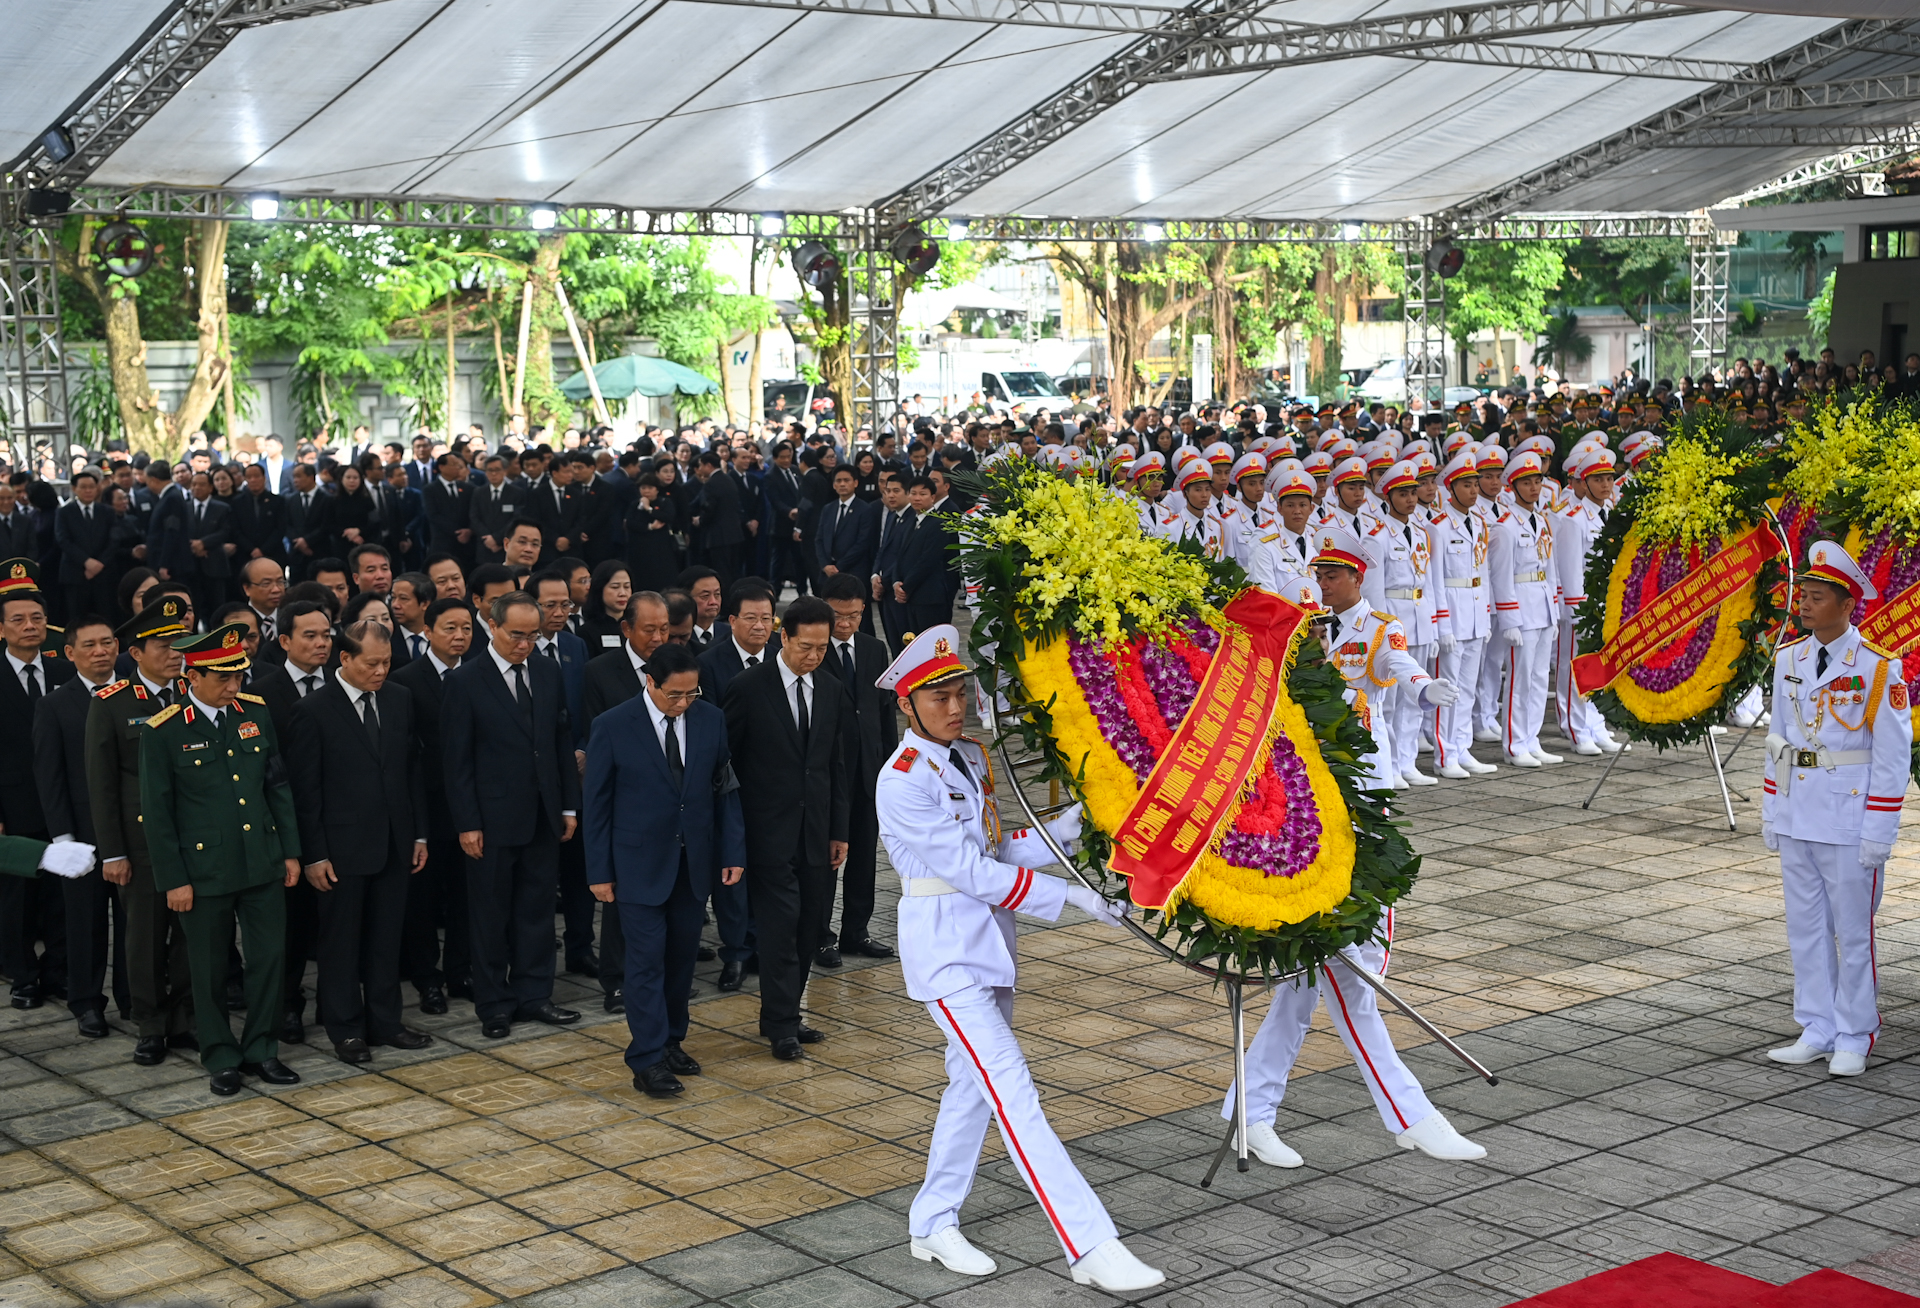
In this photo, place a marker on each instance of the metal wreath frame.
(1235, 983)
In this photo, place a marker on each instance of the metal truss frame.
(1842, 164)
(1709, 272)
(1789, 136)
(33, 392)
(1423, 314)
(874, 313)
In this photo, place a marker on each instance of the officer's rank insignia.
(163, 715)
(1897, 695)
(113, 689)
(1397, 641)
(251, 699)
(905, 762)
(140, 692)
(248, 730)
(942, 647)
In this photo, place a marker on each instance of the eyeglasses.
(521, 637)
(679, 696)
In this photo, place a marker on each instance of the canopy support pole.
(33, 398)
(580, 349)
(875, 320)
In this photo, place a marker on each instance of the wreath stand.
(1235, 983)
(1727, 793)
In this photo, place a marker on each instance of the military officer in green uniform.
(157, 980)
(224, 841)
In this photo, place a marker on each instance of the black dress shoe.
(496, 1028)
(28, 996)
(225, 1082)
(788, 1050)
(352, 1050)
(828, 957)
(704, 954)
(549, 1012)
(460, 990)
(93, 1023)
(806, 1035)
(150, 1051)
(583, 965)
(658, 1081)
(615, 1003)
(184, 1040)
(433, 1000)
(275, 1072)
(729, 976)
(679, 1061)
(293, 1031)
(406, 1038)
(868, 948)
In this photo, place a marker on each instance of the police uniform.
(1836, 780)
(220, 819)
(157, 975)
(1524, 614)
(1461, 541)
(1402, 581)
(962, 879)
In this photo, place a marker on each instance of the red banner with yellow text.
(1677, 608)
(1895, 625)
(1194, 787)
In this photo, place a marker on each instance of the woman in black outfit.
(866, 466)
(350, 513)
(678, 493)
(607, 595)
(653, 558)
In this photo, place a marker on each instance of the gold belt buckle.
(1806, 758)
(1416, 592)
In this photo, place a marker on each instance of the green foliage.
(1561, 343)
(1820, 309)
(1626, 272)
(1747, 319)
(93, 412)
(1504, 286)
(168, 309)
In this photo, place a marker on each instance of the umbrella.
(636, 374)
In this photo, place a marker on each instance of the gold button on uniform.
(236, 776)
(243, 803)
(199, 846)
(229, 753)
(246, 826)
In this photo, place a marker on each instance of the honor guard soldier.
(1524, 610)
(1576, 528)
(1461, 539)
(1284, 561)
(1196, 520)
(1346, 496)
(1837, 763)
(1149, 483)
(158, 981)
(1403, 581)
(1491, 462)
(962, 878)
(221, 828)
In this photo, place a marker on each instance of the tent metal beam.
(1842, 164)
(1496, 54)
(1790, 136)
(1071, 15)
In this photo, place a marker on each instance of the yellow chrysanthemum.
(1705, 688)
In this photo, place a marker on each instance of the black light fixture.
(57, 141)
(917, 252)
(43, 203)
(123, 248)
(815, 264)
(1444, 258)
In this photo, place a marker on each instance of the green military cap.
(224, 649)
(19, 577)
(166, 616)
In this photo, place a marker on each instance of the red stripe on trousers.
(1364, 1057)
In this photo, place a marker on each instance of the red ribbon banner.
(1677, 608)
(1895, 625)
(1196, 783)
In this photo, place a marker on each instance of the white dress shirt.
(19, 667)
(793, 686)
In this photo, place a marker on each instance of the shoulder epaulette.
(114, 688)
(1789, 644)
(163, 715)
(1867, 644)
(250, 698)
(1384, 617)
(906, 760)
(1378, 527)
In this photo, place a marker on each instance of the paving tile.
(1342, 1271)
(140, 1270)
(656, 1231)
(1832, 1241)
(224, 1200)
(1814, 1184)
(1610, 1178)
(277, 1231)
(67, 1238)
(1628, 1237)
(82, 1119)
(1532, 1268)
(229, 1289)
(1532, 1208)
(1736, 1214)
(1336, 1205)
(623, 1287)
(534, 1265)
(1698, 1153)
(1440, 1239)
(841, 1233)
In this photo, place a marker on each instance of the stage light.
(123, 248)
(57, 141)
(543, 217)
(1444, 258)
(43, 203)
(916, 251)
(772, 224)
(1349, 231)
(815, 264)
(957, 229)
(264, 207)
(1150, 231)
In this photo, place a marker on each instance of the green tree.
(1627, 273)
(1504, 286)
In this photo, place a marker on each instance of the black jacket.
(429, 692)
(82, 538)
(720, 523)
(721, 663)
(503, 774)
(800, 794)
(359, 808)
(878, 726)
(308, 522)
(259, 522)
(447, 515)
(487, 519)
(610, 681)
(20, 809)
(274, 686)
(60, 759)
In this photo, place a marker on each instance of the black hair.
(844, 586)
(747, 588)
(290, 614)
(441, 607)
(807, 611)
(669, 661)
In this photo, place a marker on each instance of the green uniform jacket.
(214, 820)
(113, 768)
(20, 857)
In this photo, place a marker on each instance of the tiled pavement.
(1621, 969)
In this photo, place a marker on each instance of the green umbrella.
(635, 374)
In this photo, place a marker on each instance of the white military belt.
(915, 887)
(1787, 757)
(1522, 578)
(1405, 593)
(1462, 583)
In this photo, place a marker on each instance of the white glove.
(69, 858)
(1767, 838)
(1095, 905)
(1449, 644)
(1512, 636)
(1874, 854)
(1065, 828)
(1439, 693)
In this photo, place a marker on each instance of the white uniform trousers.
(1355, 1013)
(1580, 722)
(1524, 706)
(1452, 724)
(987, 1078)
(1487, 694)
(1407, 714)
(1831, 901)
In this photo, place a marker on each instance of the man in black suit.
(719, 529)
(568, 652)
(437, 894)
(846, 534)
(449, 500)
(857, 659)
(207, 534)
(361, 803)
(308, 529)
(259, 521)
(782, 486)
(550, 504)
(31, 909)
(60, 763)
(789, 729)
(420, 467)
(922, 581)
(592, 503)
(702, 584)
(513, 790)
(893, 524)
(493, 509)
(19, 537)
(743, 640)
(83, 529)
(663, 816)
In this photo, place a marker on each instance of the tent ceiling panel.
(44, 66)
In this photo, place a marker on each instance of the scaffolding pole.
(34, 396)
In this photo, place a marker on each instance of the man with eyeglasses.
(514, 794)
(856, 659)
(264, 583)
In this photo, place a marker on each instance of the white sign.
(1203, 370)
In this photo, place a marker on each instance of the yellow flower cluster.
(1690, 498)
(1708, 684)
(1230, 895)
(1089, 556)
(1891, 492)
(1829, 450)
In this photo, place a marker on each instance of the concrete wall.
(1873, 306)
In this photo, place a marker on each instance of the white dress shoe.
(1799, 1052)
(1588, 749)
(1486, 737)
(1545, 757)
(1400, 783)
(1434, 1136)
(1112, 1266)
(1716, 730)
(1608, 745)
(953, 1252)
(1523, 760)
(1265, 1144)
(1475, 766)
(1845, 1064)
(1415, 777)
(1455, 772)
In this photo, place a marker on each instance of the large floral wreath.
(1100, 637)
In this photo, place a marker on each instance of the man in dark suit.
(702, 585)
(788, 728)
(406, 527)
(420, 467)
(19, 536)
(662, 817)
(847, 533)
(492, 513)
(449, 500)
(31, 909)
(745, 639)
(892, 526)
(437, 894)
(857, 659)
(514, 794)
(361, 802)
(718, 527)
(259, 521)
(568, 653)
(83, 529)
(308, 529)
(782, 487)
(167, 552)
(550, 504)
(922, 581)
(60, 764)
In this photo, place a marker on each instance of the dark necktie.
(1407, 530)
(371, 716)
(1533, 524)
(1603, 517)
(164, 695)
(308, 684)
(551, 650)
(676, 768)
(846, 665)
(800, 709)
(33, 683)
(1820, 663)
(753, 660)
(840, 521)
(960, 764)
(1333, 632)
(521, 694)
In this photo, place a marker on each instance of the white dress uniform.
(1156, 519)
(1523, 588)
(1493, 666)
(1370, 650)
(1574, 532)
(1461, 542)
(1836, 780)
(1205, 529)
(1404, 582)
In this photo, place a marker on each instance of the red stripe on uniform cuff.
(1019, 892)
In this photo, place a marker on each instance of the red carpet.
(1670, 1281)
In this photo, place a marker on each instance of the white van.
(1028, 387)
